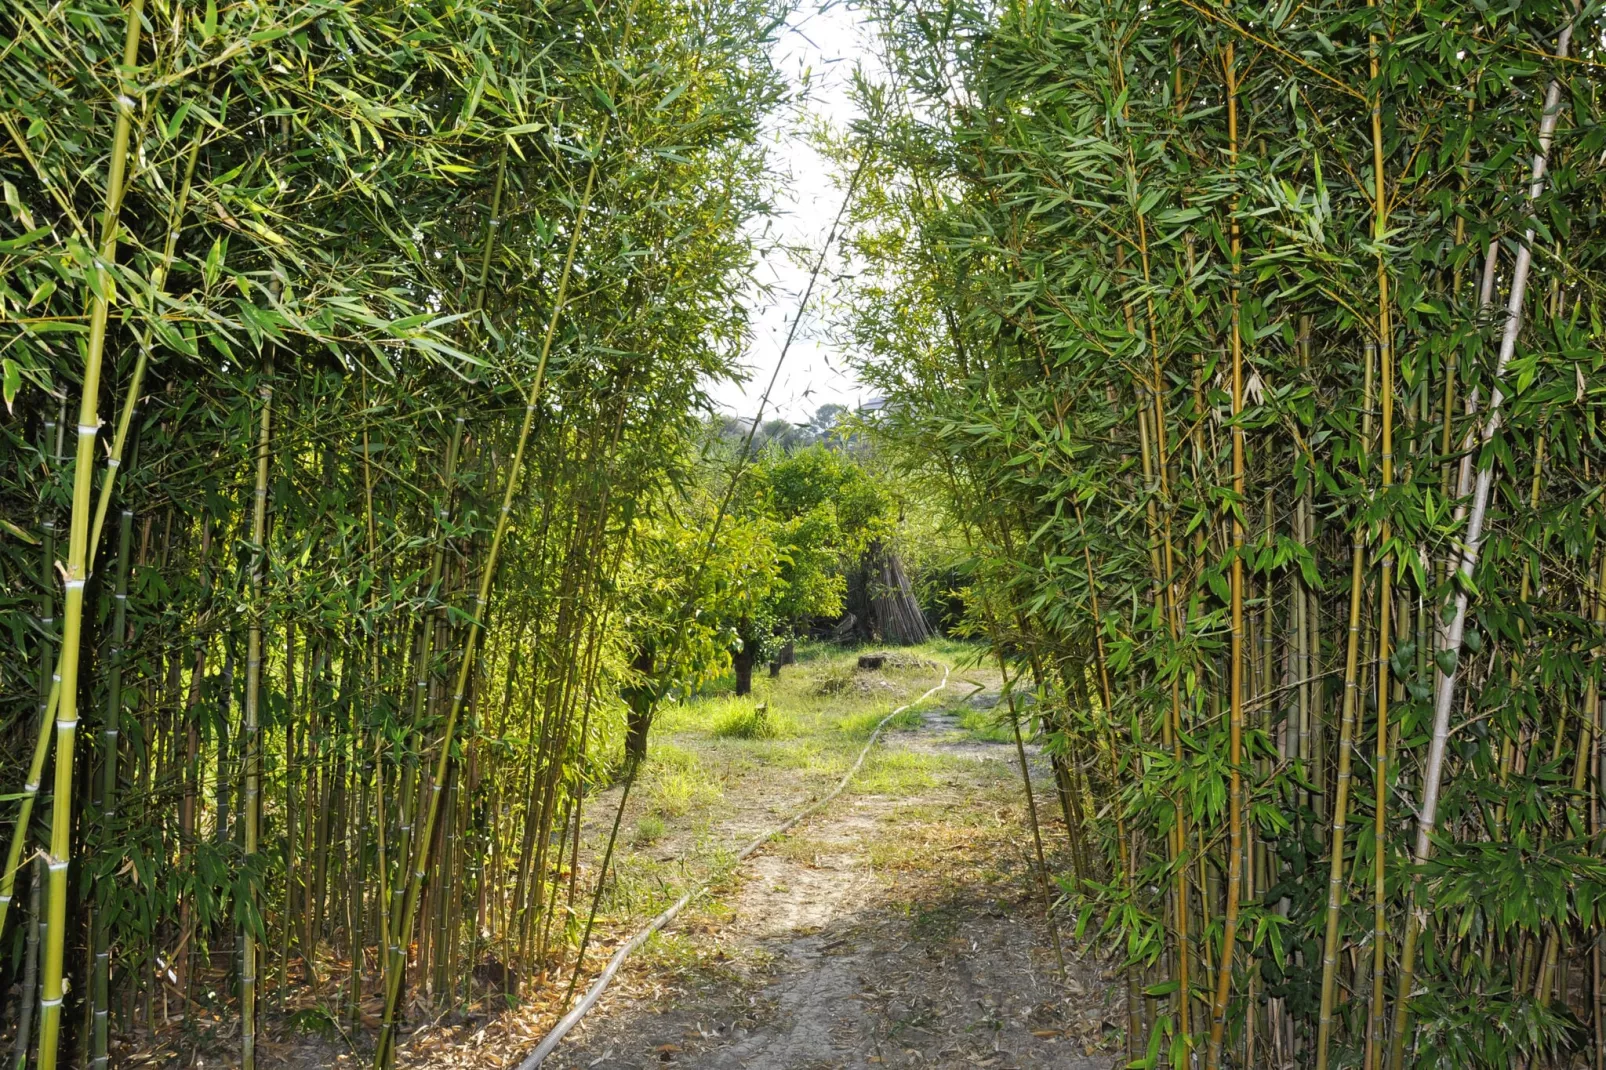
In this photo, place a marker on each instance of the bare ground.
(899, 927)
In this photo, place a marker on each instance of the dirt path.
(900, 927)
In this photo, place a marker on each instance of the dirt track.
(897, 928)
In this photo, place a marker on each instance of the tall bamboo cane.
(1235, 694)
(384, 1053)
(1472, 544)
(1385, 604)
(100, 992)
(41, 751)
(391, 907)
(252, 703)
(76, 573)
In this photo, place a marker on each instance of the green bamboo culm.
(253, 704)
(111, 737)
(50, 692)
(75, 575)
(384, 1052)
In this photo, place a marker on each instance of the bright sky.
(819, 49)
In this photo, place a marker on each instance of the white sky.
(818, 49)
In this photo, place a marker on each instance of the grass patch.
(860, 725)
(990, 726)
(676, 782)
(751, 722)
(897, 773)
(802, 753)
(835, 680)
(650, 829)
(801, 849)
(673, 717)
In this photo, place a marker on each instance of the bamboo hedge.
(1257, 349)
(342, 346)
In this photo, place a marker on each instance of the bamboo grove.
(344, 345)
(1257, 349)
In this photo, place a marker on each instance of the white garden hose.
(550, 1042)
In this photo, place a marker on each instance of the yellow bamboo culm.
(1235, 684)
(1375, 1012)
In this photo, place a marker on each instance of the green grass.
(887, 772)
(991, 726)
(649, 830)
(860, 725)
(676, 782)
(751, 722)
(809, 699)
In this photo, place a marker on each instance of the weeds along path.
(898, 926)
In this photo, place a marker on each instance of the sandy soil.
(893, 929)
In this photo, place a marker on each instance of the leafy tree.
(691, 606)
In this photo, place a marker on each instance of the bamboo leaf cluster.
(344, 345)
(1256, 349)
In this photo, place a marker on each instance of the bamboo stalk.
(384, 1052)
(1385, 347)
(1235, 820)
(1348, 716)
(110, 734)
(76, 573)
(50, 692)
(253, 687)
(34, 922)
(1472, 542)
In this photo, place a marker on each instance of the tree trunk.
(742, 662)
(638, 717)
